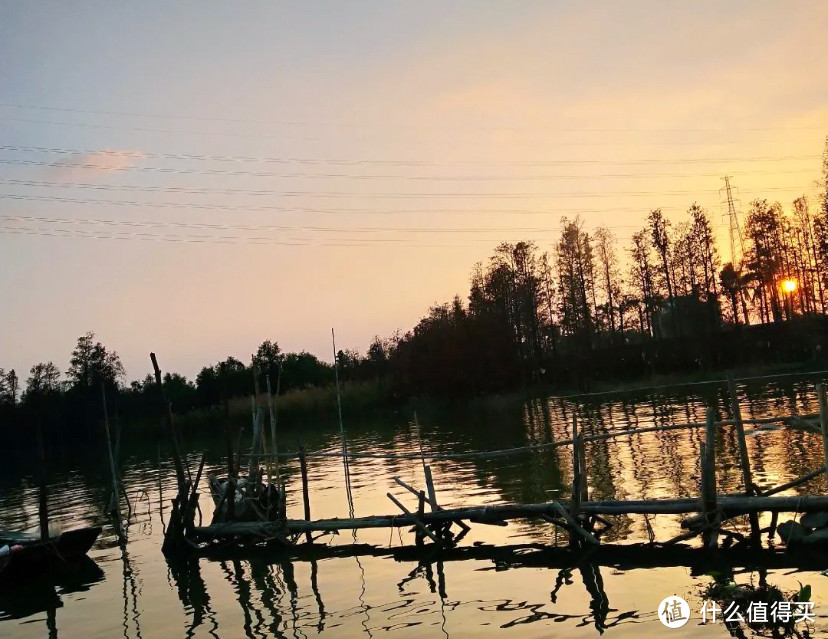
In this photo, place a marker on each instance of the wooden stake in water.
(707, 467)
(342, 430)
(272, 408)
(743, 453)
(117, 509)
(303, 468)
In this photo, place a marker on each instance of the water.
(133, 592)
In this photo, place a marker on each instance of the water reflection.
(499, 578)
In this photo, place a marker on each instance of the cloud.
(88, 163)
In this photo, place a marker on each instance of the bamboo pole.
(253, 467)
(708, 484)
(432, 495)
(273, 443)
(744, 459)
(418, 539)
(303, 467)
(117, 509)
(179, 467)
(794, 482)
(342, 429)
(192, 501)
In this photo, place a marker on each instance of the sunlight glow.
(789, 285)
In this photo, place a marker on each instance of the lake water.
(134, 593)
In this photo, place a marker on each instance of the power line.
(385, 162)
(305, 228)
(347, 194)
(351, 176)
(375, 126)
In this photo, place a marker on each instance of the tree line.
(530, 316)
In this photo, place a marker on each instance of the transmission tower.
(735, 229)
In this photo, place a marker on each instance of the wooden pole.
(823, 421)
(708, 483)
(432, 495)
(179, 467)
(747, 479)
(273, 443)
(253, 467)
(303, 467)
(418, 539)
(575, 510)
(342, 429)
(117, 509)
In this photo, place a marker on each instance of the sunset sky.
(195, 178)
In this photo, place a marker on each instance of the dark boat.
(24, 555)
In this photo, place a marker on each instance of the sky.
(197, 177)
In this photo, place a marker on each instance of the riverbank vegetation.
(579, 313)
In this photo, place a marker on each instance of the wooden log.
(744, 460)
(729, 505)
(167, 412)
(303, 467)
(417, 521)
(823, 421)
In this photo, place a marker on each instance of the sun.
(789, 285)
